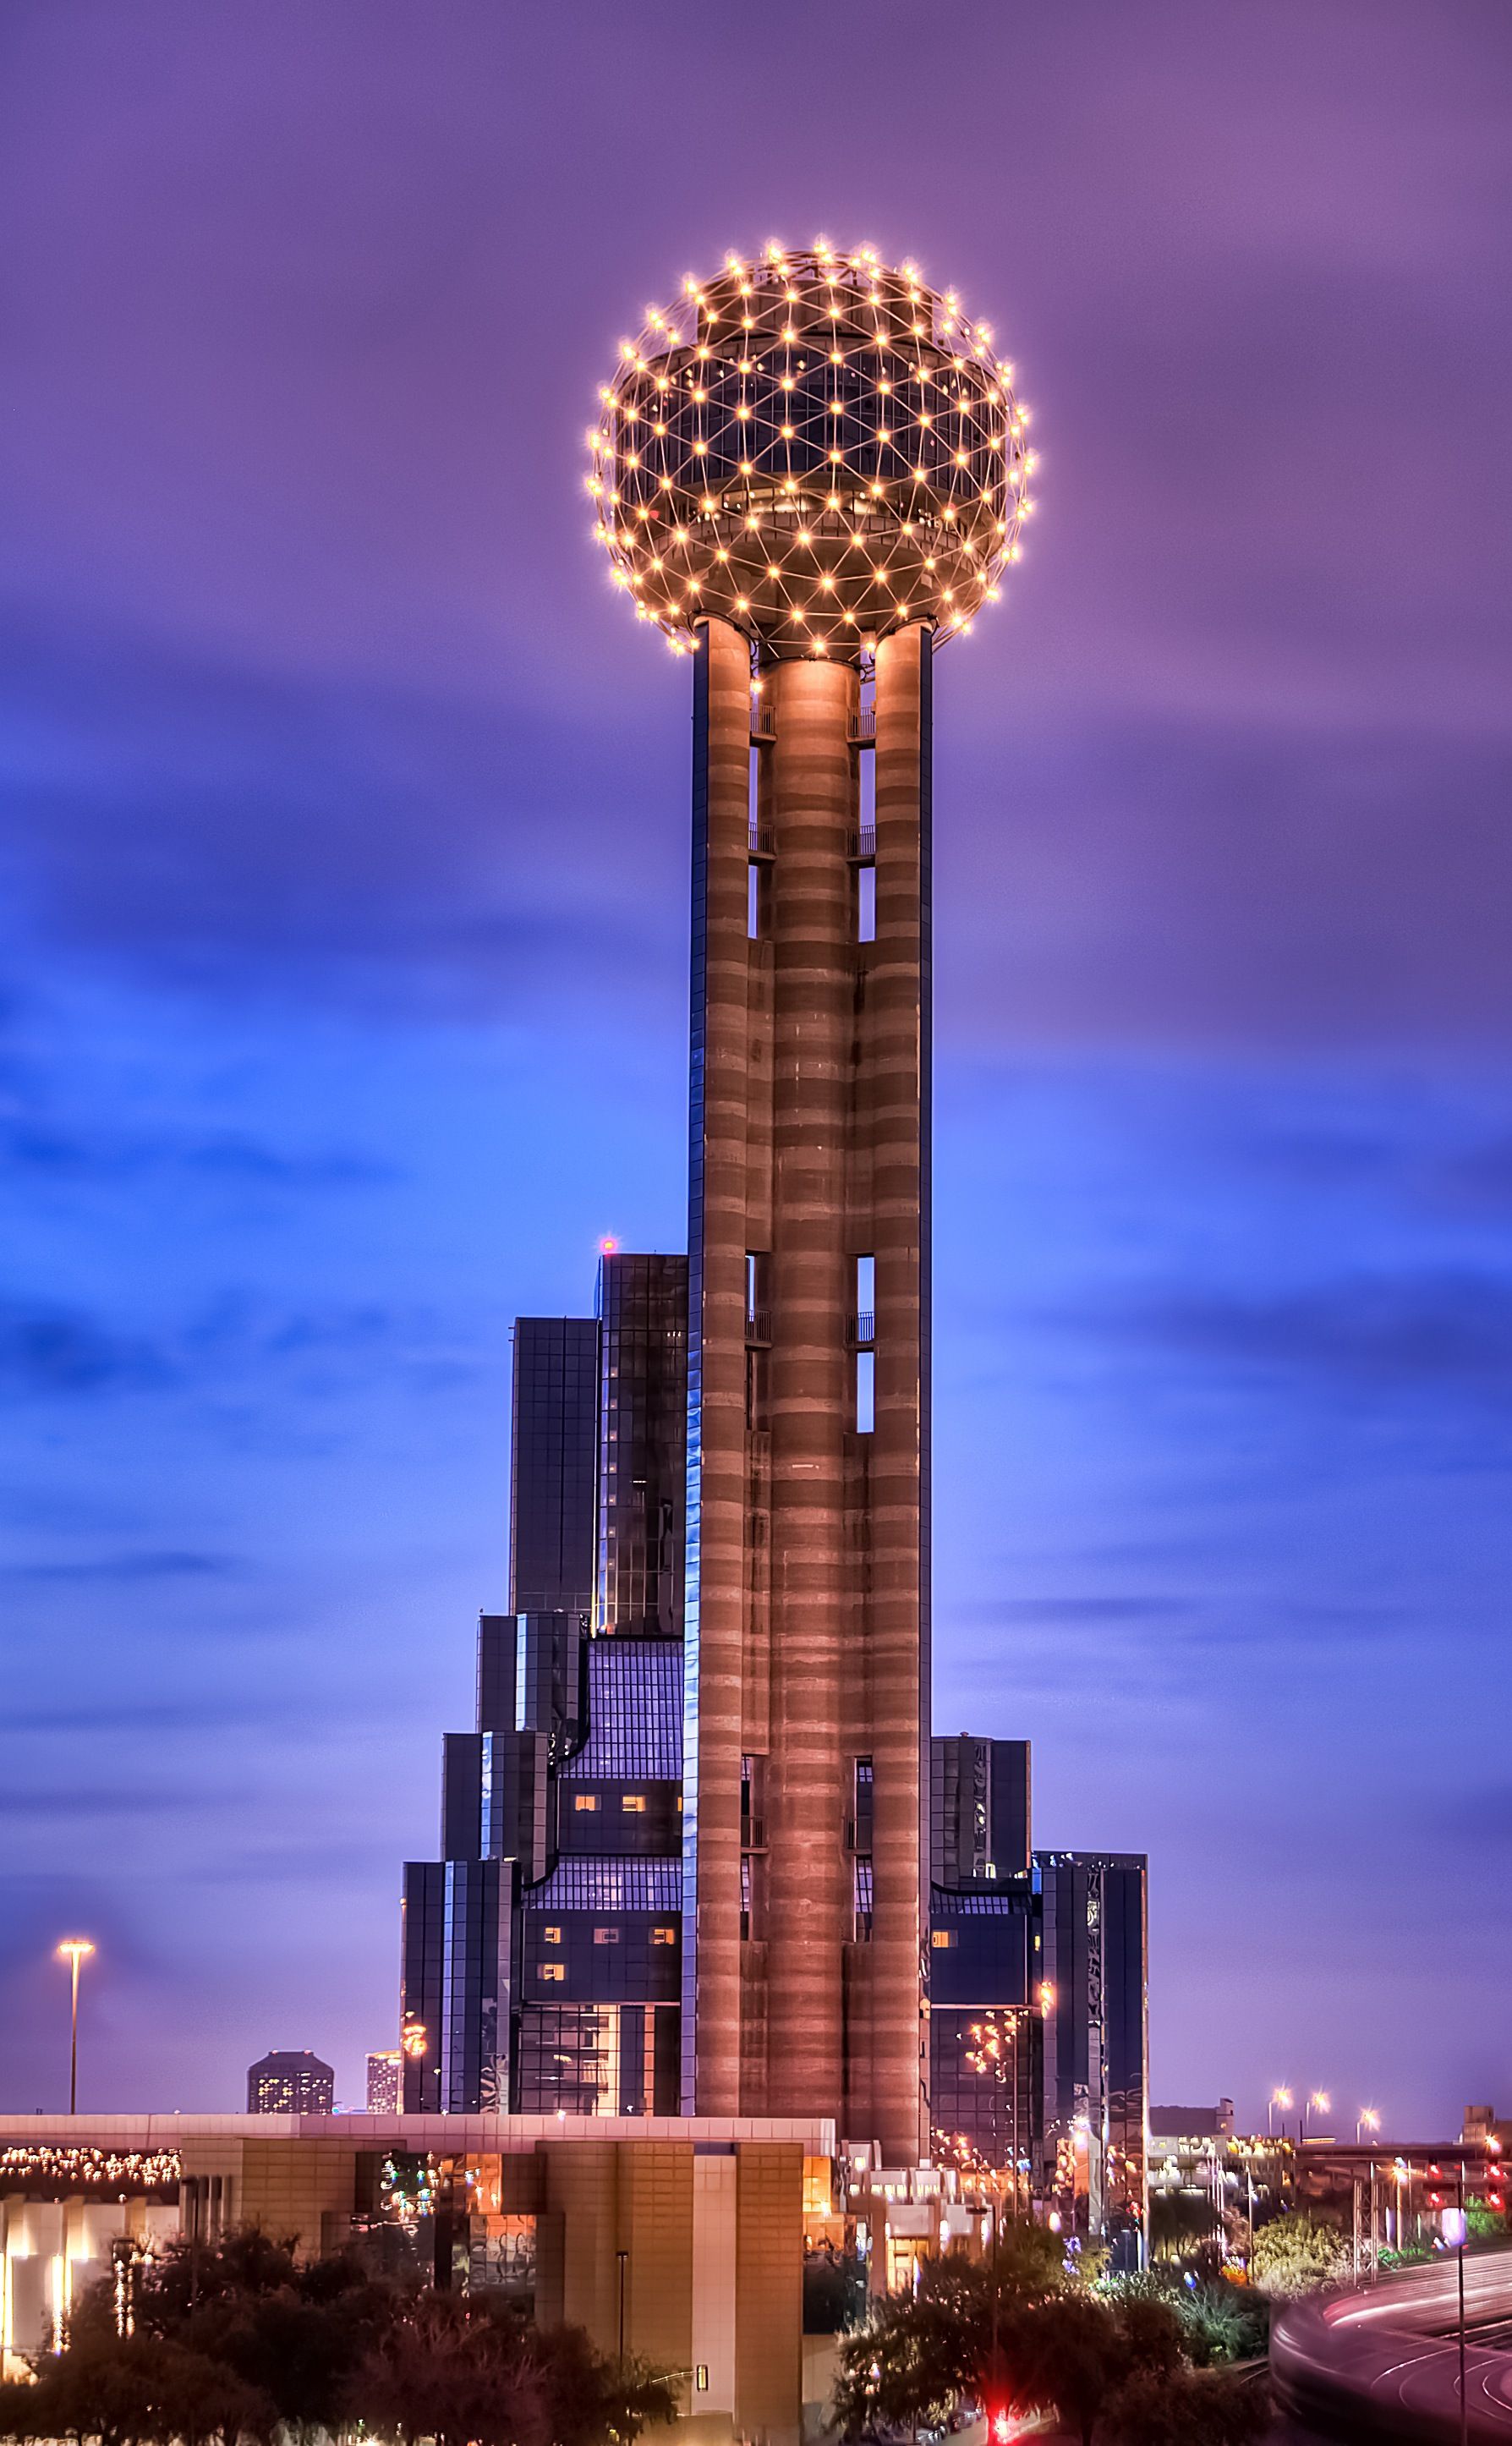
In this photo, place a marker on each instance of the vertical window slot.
(866, 904)
(757, 1295)
(865, 1391)
(865, 1302)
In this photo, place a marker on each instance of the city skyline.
(1222, 1146)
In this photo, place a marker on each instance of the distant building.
(1204, 2172)
(384, 2082)
(1038, 2032)
(1193, 2122)
(290, 2081)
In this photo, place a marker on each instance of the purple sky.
(344, 912)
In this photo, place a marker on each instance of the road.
(1385, 2361)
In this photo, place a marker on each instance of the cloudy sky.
(345, 920)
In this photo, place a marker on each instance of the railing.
(760, 842)
(864, 726)
(752, 1833)
(863, 843)
(864, 1328)
(763, 723)
(758, 1328)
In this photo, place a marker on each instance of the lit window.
(663, 1936)
(606, 1937)
(585, 1801)
(633, 1804)
(556, 1970)
(941, 1939)
(551, 1937)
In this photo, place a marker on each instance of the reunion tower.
(808, 471)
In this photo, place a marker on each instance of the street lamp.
(1320, 2098)
(1281, 2097)
(413, 2039)
(74, 1950)
(1367, 2120)
(987, 2057)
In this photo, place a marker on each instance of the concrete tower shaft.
(808, 1531)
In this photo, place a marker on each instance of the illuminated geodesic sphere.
(815, 447)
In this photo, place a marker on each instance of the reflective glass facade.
(553, 1464)
(542, 1956)
(642, 1433)
(1038, 1977)
(1097, 2041)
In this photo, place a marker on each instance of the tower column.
(895, 1130)
(814, 1613)
(808, 1520)
(713, 1605)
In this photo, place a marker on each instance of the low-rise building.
(680, 2238)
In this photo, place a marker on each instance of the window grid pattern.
(643, 1443)
(597, 1884)
(635, 1714)
(553, 1464)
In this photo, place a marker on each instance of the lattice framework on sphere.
(815, 447)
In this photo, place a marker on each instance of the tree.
(1075, 2356)
(592, 2397)
(459, 2367)
(1180, 2220)
(19, 2411)
(961, 2333)
(1119, 2362)
(138, 2391)
(239, 2341)
(1183, 2407)
(446, 2370)
(1295, 2255)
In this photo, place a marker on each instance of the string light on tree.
(815, 447)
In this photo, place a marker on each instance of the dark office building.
(553, 1464)
(542, 1953)
(979, 1811)
(290, 2081)
(1096, 2059)
(1038, 2026)
(642, 1446)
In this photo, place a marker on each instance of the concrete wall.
(697, 2225)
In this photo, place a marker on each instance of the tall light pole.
(74, 1950)
(1459, 2258)
(1367, 2120)
(1317, 2098)
(1281, 2097)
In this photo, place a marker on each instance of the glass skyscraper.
(542, 1952)
(1039, 2021)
